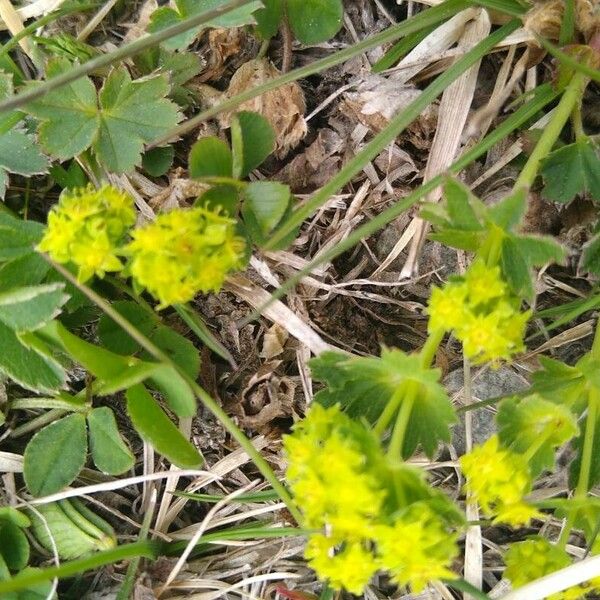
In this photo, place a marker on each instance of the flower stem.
(570, 99)
(429, 349)
(408, 401)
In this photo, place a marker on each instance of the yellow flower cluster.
(499, 479)
(86, 228)
(481, 312)
(529, 560)
(336, 471)
(183, 252)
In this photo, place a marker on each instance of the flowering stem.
(408, 401)
(570, 99)
(429, 349)
(236, 433)
(388, 412)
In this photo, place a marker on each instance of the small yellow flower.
(498, 479)
(417, 548)
(184, 252)
(447, 307)
(484, 283)
(350, 567)
(86, 228)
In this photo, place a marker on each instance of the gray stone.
(486, 384)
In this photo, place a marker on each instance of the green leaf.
(268, 18)
(157, 161)
(33, 371)
(465, 240)
(115, 123)
(459, 200)
(109, 452)
(55, 455)
(29, 269)
(572, 170)
(363, 387)
(256, 143)
(8, 513)
(515, 269)
(176, 391)
(114, 371)
(524, 422)
(17, 237)
(179, 349)
(69, 114)
(267, 201)
(155, 427)
(210, 157)
(29, 308)
(114, 338)
(540, 250)
(132, 113)
(14, 546)
(315, 21)
(164, 17)
(590, 258)
(509, 212)
(224, 196)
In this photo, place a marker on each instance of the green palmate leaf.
(364, 386)
(509, 212)
(560, 383)
(267, 201)
(115, 123)
(315, 21)
(155, 427)
(109, 452)
(459, 203)
(55, 455)
(114, 338)
(165, 17)
(572, 170)
(530, 421)
(37, 372)
(515, 268)
(14, 546)
(18, 150)
(253, 139)
(29, 308)
(221, 197)
(210, 157)
(268, 18)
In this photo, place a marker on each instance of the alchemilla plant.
(94, 297)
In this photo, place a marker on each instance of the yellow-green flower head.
(86, 228)
(481, 312)
(499, 479)
(417, 548)
(529, 560)
(184, 252)
(350, 568)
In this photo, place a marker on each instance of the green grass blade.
(429, 17)
(68, 569)
(543, 96)
(514, 8)
(120, 53)
(390, 133)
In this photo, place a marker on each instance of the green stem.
(212, 405)
(408, 401)
(577, 121)
(588, 443)
(389, 411)
(570, 98)
(429, 349)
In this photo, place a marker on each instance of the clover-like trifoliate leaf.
(115, 123)
(524, 422)
(363, 386)
(19, 152)
(572, 170)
